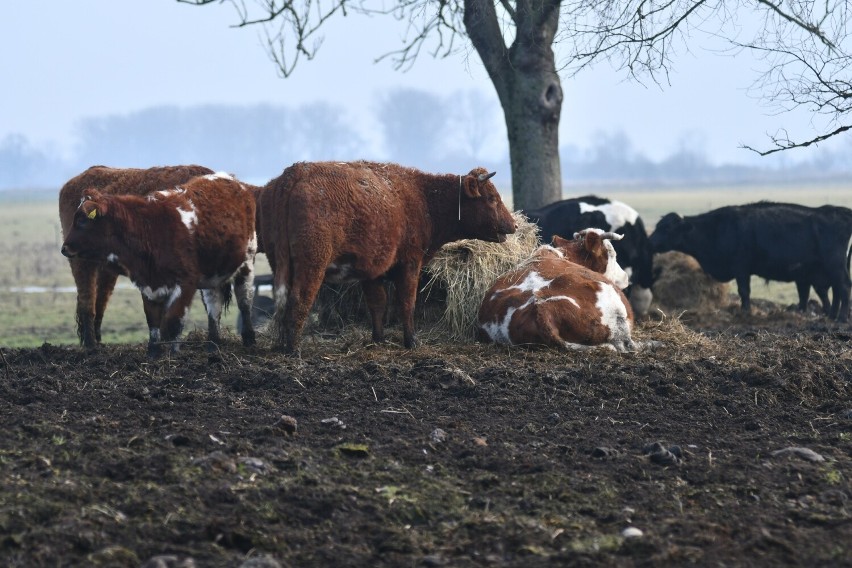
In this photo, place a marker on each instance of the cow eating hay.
(466, 269)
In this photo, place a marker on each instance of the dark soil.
(731, 447)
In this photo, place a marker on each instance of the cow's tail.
(283, 268)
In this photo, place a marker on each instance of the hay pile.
(464, 270)
(683, 285)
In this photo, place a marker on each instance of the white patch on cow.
(614, 273)
(154, 334)
(188, 217)
(629, 272)
(112, 257)
(212, 299)
(617, 214)
(219, 175)
(555, 298)
(614, 317)
(251, 249)
(166, 193)
(161, 294)
(640, 299)
(281, 297)
(498, 331)
(532, 283)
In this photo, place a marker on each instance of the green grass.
(30, 238)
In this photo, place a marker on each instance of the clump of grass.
(464, 270)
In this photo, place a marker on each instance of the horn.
(483, 177)
(612, 236)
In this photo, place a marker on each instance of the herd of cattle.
(175, 230)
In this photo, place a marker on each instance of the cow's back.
(353, 209)
(131, 181)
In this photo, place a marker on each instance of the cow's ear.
(471, 186)
(93, 209)
(559, 242)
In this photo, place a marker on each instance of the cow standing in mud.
(366, 221)
(776, 241)
(95, 279)
(567, 295)
(199, 235)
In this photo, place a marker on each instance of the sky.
(64, 61)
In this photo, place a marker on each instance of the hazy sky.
(66, 60)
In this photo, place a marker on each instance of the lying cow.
(95, 280)
(567, 295)
(568, 216)
(367, 221)
(196, 236)
(776, 241)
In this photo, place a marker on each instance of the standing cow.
(567, 296)
(95, 280)
(366, 221)
(568, 216)
(196, 236)
(776, 241)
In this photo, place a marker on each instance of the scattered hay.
(464, 270)
(683, 285)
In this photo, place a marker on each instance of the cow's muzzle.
(68, 252)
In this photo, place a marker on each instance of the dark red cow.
(95, 280)
(366, 221)
(567, 295)
(199, 235)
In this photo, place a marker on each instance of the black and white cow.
(634, 252)
(776, 241)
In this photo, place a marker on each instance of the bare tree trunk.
(530, 92)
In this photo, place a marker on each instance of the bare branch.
(812, 29)
(784, 143)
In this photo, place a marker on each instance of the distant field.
(30, 238)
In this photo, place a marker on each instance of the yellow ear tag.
(92, 214)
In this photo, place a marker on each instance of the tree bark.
(530, 92)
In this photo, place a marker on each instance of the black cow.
(633, 252)
(776, 241)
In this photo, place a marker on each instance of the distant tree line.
(437, 133)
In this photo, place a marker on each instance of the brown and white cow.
(95, 280)
(199, 235)
(367, 221)
(567, 295)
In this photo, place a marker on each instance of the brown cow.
(365, 221)
(196, 236)
(567, 295)
(95, 280)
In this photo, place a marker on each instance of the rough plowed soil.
(730, 445)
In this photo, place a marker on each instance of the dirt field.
(448, 455)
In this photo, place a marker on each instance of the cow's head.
(592, 248)
(482, 214)
(92, 228)
(669, 233)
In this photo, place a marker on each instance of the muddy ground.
(729, 446)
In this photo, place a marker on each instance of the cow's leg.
(406, 293)
(106, 284)
(280, 289)
(803, 288)
(214, 302)
(244, 290)
(822, 293)
(85, 278)
(744, 290)
(377, 300)
(154, 317)
(303, 292)
(840, 301)
(176, 309)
